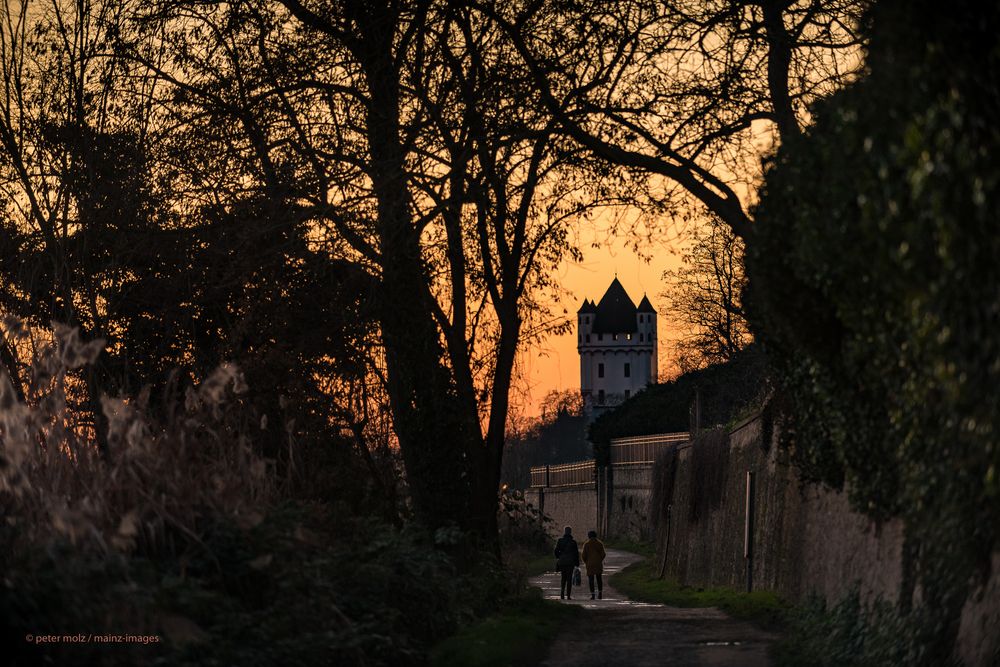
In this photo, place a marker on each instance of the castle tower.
(617, 346)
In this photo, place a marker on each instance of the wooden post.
(748, 531)
(697, 410)
(666, 542)
(600, 500)
(609, 497)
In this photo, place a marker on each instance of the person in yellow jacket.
(593, 558)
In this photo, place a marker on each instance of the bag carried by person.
(577, 577)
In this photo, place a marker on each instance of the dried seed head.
(240, 385)
(191, 400)
(13, 328)
(8, 397)
(74, 353)
(213, 389)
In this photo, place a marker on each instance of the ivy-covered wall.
(874, 288)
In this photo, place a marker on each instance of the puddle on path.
(706, 643)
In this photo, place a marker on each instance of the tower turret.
(646, 316)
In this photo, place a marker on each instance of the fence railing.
(638, 449)
(564, 474)
(643, 448)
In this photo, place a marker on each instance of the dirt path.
(619, 631)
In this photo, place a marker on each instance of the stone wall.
(806, 538)
(617, 506)
(631, 490)
(574, 506)
(979, 634)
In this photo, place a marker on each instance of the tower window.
(628, 392)
(588, 338)
(628, 370)
(600, 397)
(640, 338)
(600, 371)
(600, 337)
(614, 336)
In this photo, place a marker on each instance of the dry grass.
(155, 483)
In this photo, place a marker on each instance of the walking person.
(567, 557)
(593, 556)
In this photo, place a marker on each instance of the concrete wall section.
(574, 506)
(841, 548)
(631, 490)
(617, 506)
(806, 538)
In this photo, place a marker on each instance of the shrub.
(157, 481)
(523, 539)
(181, 531)
(848, 634)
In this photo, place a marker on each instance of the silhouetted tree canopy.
(705, 297)
(363, 202)
(102, 231)
(687, 96)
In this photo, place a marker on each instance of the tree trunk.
(439, 451)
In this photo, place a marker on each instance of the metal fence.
(639, 449)
(565, 474)
(643, 448)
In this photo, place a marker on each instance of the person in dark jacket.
(567, 557)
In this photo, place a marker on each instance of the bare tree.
(704, 296)
(443, 147)
(74, 183)
(108, 229)
(689, 93)
(412, 142)
(434, 152)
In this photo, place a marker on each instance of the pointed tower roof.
(587, 307)
(616, 312)
(645, 306)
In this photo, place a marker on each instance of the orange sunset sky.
(553, 364)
